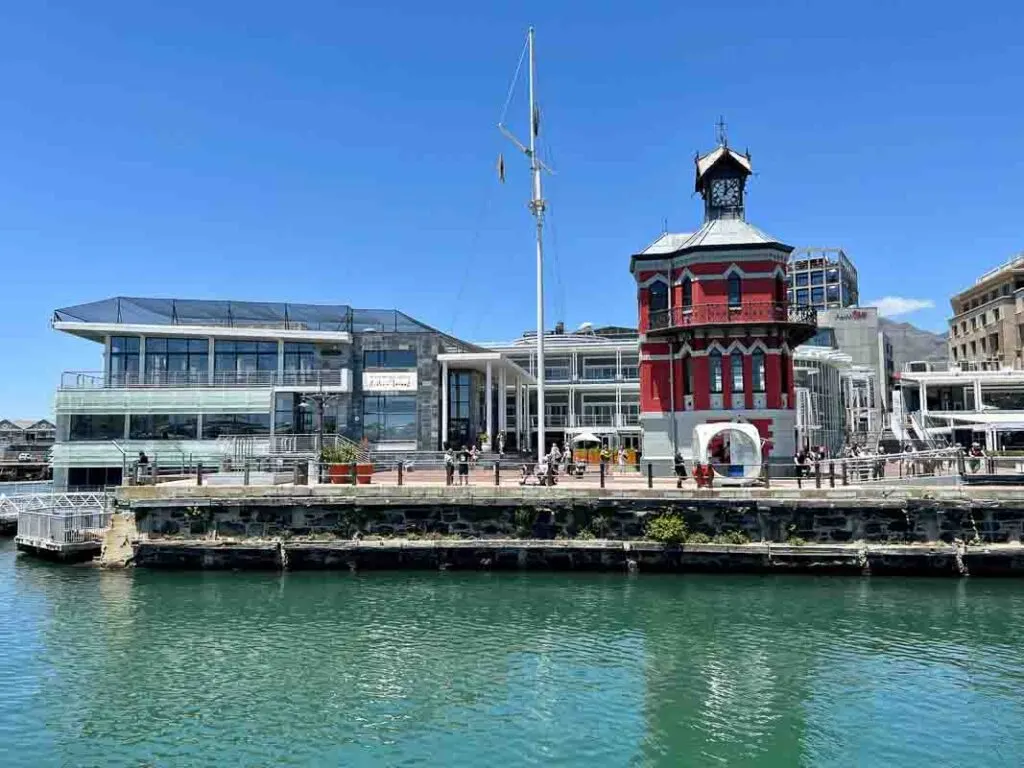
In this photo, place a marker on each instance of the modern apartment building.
(196, 380)
(823, 278)
(988, 319)
(592, 384)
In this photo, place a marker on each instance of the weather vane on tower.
(723, 138)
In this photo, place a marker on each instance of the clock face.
(725, 192)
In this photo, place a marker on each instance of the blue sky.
(325, 152)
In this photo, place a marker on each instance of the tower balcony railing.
(674, 318)
(74, 380)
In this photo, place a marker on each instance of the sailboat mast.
(537, 208)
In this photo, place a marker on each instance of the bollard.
(817, 474)
(401, 471)
(199, 473)
(245, 475)
(799, 476)
(352, 468)
(602, 474)
(846, 479)
(767, 474)
(650, 475)
(831, 474)
(497, 473)
(961, 464)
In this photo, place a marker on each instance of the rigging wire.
(512, 85)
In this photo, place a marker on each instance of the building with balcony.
(987, 327)
(197, 380)
(823, 278)
(717, 330)
(32, 436)
(592, 384)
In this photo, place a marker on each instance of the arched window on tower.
(715, 371)
(657, 304)
(687, 292)
(757, 370)
(687, 376)
(736, 369)
(735, 290)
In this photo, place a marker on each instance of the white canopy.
(586, 437)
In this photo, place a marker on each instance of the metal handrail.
(748, 312)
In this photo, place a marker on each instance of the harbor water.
(140, 668)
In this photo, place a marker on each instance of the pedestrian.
(449, 466)
(142, 468)
(680, 468)
(474, 454)
(501, 445)
(463, 461)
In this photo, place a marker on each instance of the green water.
(415, 669)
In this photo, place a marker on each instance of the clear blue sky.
(318, 152)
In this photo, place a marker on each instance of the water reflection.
(467, 669)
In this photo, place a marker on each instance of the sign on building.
(389, 381)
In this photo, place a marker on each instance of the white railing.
(190, 379)
(62, 527)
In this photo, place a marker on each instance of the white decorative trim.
(654, 279)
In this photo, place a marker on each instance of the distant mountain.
(910, 343)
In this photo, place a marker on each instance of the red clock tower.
(716, 330)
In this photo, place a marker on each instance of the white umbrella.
(585, 437)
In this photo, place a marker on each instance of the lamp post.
(318, 400)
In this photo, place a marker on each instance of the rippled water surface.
(415, 669)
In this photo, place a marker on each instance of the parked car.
(25, 457)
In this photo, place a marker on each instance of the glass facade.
(97, 427)
(290, 418)
(389, 418)
(176, 360)
(828, 273)
(217, 425)
(299, 356)
(241, 360)
(124, 360)
(163, 426)
(460, 408)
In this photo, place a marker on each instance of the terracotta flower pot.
(364, 472)
(340, 474)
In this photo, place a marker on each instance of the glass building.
(190, 381)
(823, 278)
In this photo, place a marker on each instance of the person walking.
(463, 461)
(680, 468)
(449, 466)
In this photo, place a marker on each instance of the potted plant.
(339, 460)
(364, 472)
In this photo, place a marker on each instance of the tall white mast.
(537, 206)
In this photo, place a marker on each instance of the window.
(974, 348)
(974, 323)
(736, 368)
(735, 290)
(963, 350)
(832, 293)
(657, 305)
(801, 297)
(687, 376)
(96, 426)
(832, 275)
(757, 370)
(215, 425)
(687, 292)
(818, 278)
(954, 353)
(715, 371)
(389, 358)
(290, 418)
(169, 426)
(984, 318)
(995, 314)
(599, 369)
(389, 418)
(299, 356)
(800, 280)
(176, 361)
(124, 360)
(630, 368)
(784, 373)
(817, 296)
(244, 360)
(963, 326)
(1006, 289)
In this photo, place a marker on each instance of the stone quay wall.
(823, 519)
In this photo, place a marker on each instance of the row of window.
(658, 293)
(991, 347)
(192, 356)
(962, 328)
(166, 426)
(815, 296)
(719, 367)
(1004, 290)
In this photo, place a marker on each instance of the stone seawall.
(609, 556)
(837, 519)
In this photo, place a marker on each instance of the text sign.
(389, 381)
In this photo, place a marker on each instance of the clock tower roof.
(720, 158)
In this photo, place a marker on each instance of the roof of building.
(706, 162)
(719, 233)
(322, 317)
(26, 424)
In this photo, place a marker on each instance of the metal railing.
(55, 520)
(748, 312)
(189, 379)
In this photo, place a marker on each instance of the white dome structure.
(732, 448)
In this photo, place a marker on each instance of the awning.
(585, 437)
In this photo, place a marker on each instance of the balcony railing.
(193, 379)
(746, 313)
(581, 420)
